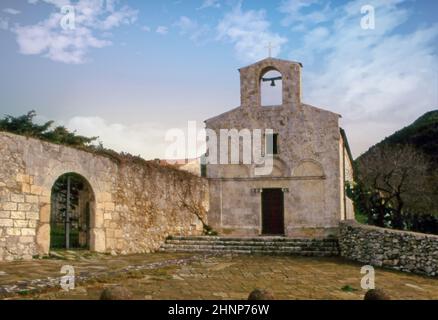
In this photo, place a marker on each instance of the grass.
(361, 218)
(348, 288)
(57, 237)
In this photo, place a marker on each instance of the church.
(304, 196)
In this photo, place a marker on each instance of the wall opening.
(72, 208)
(273, 212)
(271, 88)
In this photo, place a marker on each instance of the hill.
(397, 179)
(422, 134)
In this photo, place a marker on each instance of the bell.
(272, 83)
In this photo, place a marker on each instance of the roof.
(347, 145)
(273, 59)
(304, 105)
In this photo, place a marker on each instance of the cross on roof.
(270, 47)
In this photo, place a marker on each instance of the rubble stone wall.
(399, 250)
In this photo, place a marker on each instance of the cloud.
(210, 4)
(294, 12)
(379, 80)
(192, 29)
(249, 32)
(146, 29)
(4, 23)
(92, 21)
(11, 11)
(162, 30)
(145, 139)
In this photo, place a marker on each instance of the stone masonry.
(311, 166)
(399, 250)
(137, 205)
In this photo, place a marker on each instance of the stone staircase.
(256, 245)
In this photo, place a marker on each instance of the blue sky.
(131, 70)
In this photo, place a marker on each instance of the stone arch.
(279, 169)
(43, 236)
(250, 82)
(271, 91)
(308, 168)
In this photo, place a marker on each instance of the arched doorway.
(72, 207)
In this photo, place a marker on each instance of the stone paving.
(223, 277)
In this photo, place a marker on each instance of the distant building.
(189, 165)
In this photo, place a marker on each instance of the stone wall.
(399, 250)
(136, 204)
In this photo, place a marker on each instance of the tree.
(24, 125)
(395, 180)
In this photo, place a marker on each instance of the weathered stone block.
(17, 197)
(18, 215)
(9, 206)
(23, 178)
(25, 188)
(45, 213)
(20, 223)
(28, 232)
(5, 214)
(13, 231)
(32, 223)
(24, 207)
(43, 238)
(32, 199)
(6, 222)
(32, 215)
(104, 197)
(36, 190)
(27, 239)
(109, 206)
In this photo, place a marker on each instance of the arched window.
(271, 88)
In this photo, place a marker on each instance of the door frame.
(282, 213)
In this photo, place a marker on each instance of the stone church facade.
(304, 196)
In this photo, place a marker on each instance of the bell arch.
(290, 76)
(271, 87)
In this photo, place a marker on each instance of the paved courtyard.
(186, 276)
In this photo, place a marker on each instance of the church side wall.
(136, 206)
(349, 177)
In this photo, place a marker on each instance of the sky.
(129, 71)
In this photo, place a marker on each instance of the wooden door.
(273, 212)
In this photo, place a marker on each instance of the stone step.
(261, 252)
(245, 246)
(253, 245)
(252, 239)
